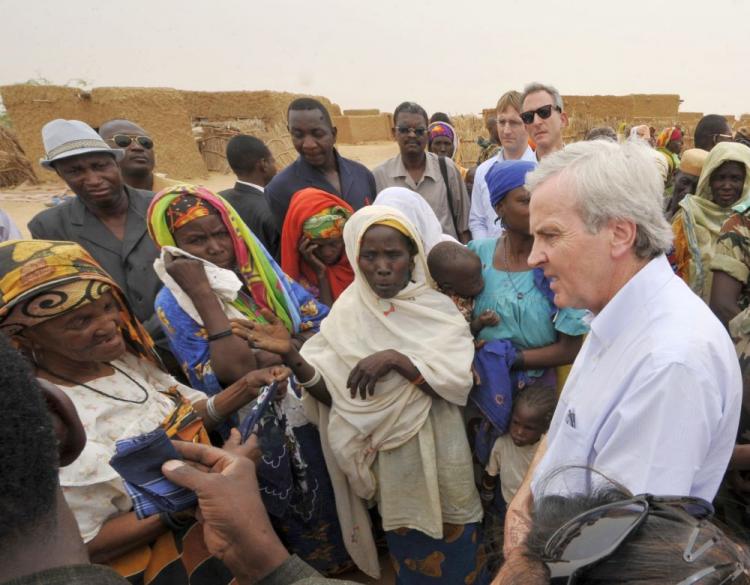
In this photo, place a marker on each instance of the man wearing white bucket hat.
(106, 217)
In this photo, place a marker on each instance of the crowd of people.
(511, 371)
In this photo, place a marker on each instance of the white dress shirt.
(482, 216)
(653, 400)
(258, 187)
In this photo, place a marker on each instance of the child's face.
(526, 426)
(463, 278)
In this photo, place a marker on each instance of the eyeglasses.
(596, 534)
(418, 132)
(124, 140)
(722, 138)
(544, 112)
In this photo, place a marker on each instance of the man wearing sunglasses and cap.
(137, 165)
(106, 217)
(542, 113)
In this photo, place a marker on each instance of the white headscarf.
(418, 212)
(420, 323)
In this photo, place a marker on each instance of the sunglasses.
(593, 536)
(124, 140)
(544, 112)
(418, 132)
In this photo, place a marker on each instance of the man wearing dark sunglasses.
(436, 179)
(542, 113)
(137, 166)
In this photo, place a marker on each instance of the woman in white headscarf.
(418, 212)
(390, 419)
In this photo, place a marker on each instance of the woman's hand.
(307, 249)
(272, 336)
(368, 371)
(259, 378)
(189, 274)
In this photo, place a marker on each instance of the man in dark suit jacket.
(319, 164)
(106, 217)
(253, 163)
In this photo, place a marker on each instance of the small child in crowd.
(512, 453)
(458, 274)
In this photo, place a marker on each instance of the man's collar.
(253, 185)
(137, 204)
(431, 168)
(617, 314)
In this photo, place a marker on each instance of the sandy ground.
(25, 201)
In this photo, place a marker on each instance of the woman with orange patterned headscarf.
(312, 243)
(72, 320)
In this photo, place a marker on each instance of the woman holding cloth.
(73, 322)
(215, 270)
(390, 419)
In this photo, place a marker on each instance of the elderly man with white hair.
(653, 399)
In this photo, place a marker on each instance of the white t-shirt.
(511, 463)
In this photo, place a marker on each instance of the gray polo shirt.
(393, 173)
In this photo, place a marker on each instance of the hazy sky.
(452, 56)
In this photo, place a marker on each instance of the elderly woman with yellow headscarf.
(312, 243)
(724, 183)
(384, 380)
(74, 323)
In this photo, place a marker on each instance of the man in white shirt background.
(514, 143)
(653, 399)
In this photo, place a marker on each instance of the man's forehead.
(538, 97)
(121, 127)
(411, 116)
(551, 200)
(509, 112)
(306, 118)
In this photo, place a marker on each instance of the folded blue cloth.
(138, 460)
(265, 398)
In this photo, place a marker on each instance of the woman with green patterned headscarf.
(205, 243)
(214, 270)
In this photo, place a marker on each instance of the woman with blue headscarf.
(533, 336)
(543, 335)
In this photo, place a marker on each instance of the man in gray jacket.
(106, 217)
